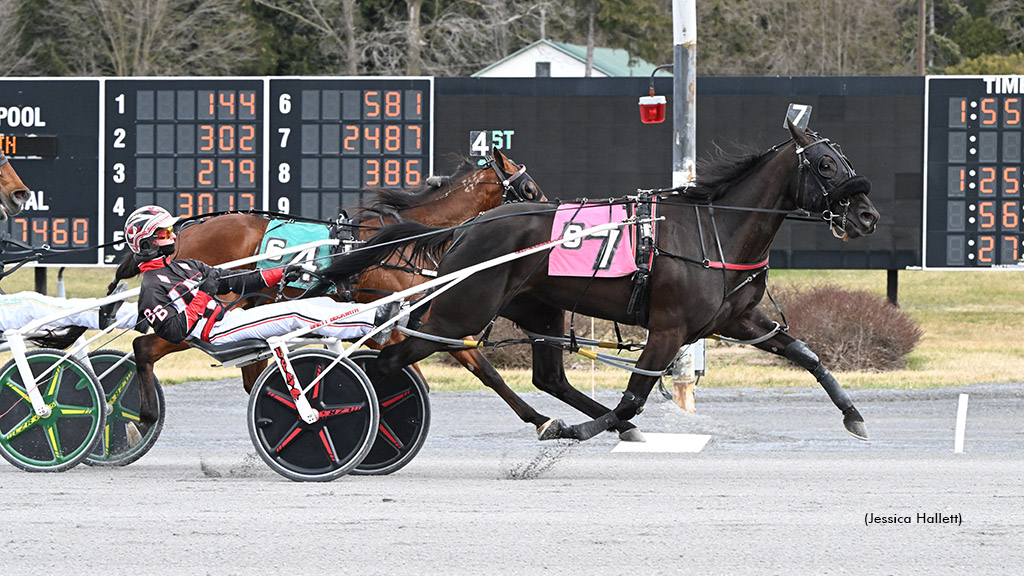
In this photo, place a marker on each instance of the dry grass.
(972, 324)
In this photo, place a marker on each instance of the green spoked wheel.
(117, 375)
(63, 439)
(333, 445)
(404, 418)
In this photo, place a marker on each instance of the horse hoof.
(855, 426)
(632, 435)
(134, 436)
(551, 430)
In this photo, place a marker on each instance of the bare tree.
(1009, 16)
(334, 21)
(803, 37)
(152, 37)
(468, 36)
(12, 43)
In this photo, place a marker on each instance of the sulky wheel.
(117, 376)
(404, 418)
(63, 439)
(333, 445)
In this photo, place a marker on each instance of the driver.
(178, 297)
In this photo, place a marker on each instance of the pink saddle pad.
(608, 253)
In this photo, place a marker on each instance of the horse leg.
(662, 346)
(549, 374)
(755, 323)
(148, 349)
(250, 373)
(475, 362)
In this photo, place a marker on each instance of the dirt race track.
(780, 489)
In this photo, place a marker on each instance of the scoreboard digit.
(331, 138)
(50, 131)
(973, 207)
(192, 146)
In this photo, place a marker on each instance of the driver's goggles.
(164, 233)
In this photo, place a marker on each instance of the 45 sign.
(482, 141)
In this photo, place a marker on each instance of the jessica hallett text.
(917, 518)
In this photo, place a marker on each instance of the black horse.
(708, 274)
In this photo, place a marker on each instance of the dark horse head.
(828, 185)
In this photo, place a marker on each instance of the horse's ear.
(501, 159)
(799, 136)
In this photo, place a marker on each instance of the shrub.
(849, 329)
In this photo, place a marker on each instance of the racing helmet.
(140, 232)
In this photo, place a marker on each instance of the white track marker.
(665, 443)
(961, 425)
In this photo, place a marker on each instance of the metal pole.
(892, 287)
(684, 163)
(684, 92)
(922, 37)
(40, 276)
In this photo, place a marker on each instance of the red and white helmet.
(141, 227)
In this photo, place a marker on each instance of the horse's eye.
(826, 167)
(530, 191)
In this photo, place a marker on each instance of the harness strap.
(507, 183)
(730, 266)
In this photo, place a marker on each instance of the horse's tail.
(426, 241)
(127, 268)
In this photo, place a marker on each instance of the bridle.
(518, 187)
(835, 195)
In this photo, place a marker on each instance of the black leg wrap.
(630, 406)
(799, 354)
(588, 430)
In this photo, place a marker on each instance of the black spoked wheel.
(77, 410)
(333, 445)
(404, 418)
(116, 372)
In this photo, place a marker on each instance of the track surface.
(781, 489)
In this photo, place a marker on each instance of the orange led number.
(987, 181)
(987, 214)
(1011, 215)
(986, 249)
(988, 111)
(1011, 110)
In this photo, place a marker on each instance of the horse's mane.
(389, 201)
(716, 175)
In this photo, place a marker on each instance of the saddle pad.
(609, 253)
(282, 234)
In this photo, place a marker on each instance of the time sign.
(973, 209)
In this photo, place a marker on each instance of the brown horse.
(13, 192)
(446, 201)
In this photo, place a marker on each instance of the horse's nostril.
(869, 218)
(20, 195)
